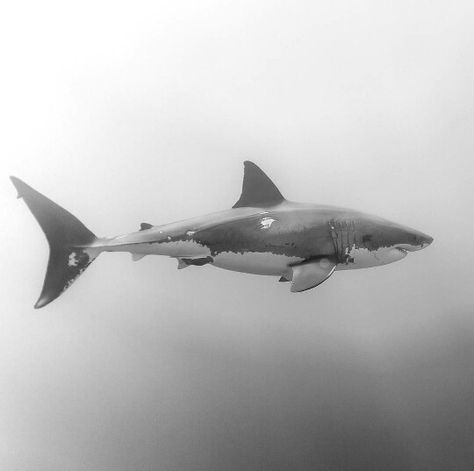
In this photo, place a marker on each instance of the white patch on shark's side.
(259, 263)
(364, 258)
(266, 222)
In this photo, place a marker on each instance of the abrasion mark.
(266, 223)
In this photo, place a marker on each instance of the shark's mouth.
(402, 250)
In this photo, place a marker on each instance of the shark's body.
(262, 234)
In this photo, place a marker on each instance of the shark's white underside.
(261, 263)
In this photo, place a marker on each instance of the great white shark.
(263, 233)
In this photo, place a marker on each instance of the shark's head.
(395, 241)
(380, 233)
(378, 242)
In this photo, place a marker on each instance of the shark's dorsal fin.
(257, 189)
(144, 226)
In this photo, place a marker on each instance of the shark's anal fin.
(257, 189)
(311, 273)
(184, 262)
(138, 256)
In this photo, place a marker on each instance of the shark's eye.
(366, 238)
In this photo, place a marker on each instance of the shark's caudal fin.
(68, 239)
(257, 189)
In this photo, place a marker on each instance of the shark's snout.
(418, 241)
(423, 240)
(427, 240)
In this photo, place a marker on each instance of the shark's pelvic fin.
(257, 189)
(312, 273)
(184, 262)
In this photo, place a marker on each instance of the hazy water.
(124, 115)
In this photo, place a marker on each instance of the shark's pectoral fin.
(312, 273)
(184, 262)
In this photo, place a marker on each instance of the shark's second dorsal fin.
(257, 189)
(144, 226)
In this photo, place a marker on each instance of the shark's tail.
(70, 242)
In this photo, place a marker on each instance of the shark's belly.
(260, 263)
